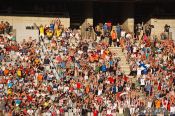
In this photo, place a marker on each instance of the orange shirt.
(96, 57)
(87, 89)
(6, 72)
(40, 77)
(158, 103)
(103, 56)
(91, 58)
(114, 36)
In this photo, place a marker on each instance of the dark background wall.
(103, 10)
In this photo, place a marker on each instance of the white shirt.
(139, 71)
(102, 51)
(66, 89)
(30, 112)
(80, 52)
(120, 110)
(123, 33)
(172, 109)
(149, 104)
(142, 81)
(134, 49)
(1, 86)
(47, 114)
(86, 77)
(99, 92)
(108, 111)
(128, 35)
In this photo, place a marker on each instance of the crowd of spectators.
(65, 73)
(5, 27)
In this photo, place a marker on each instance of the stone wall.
(15, 20)
(128, 25)
(159, 25)
(128, 17)
(19, 23)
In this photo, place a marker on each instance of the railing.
(88, 34)
(53, 67)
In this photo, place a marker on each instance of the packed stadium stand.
(87, 58)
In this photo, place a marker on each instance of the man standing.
(114, 37)
(41, 32)
(118, 30)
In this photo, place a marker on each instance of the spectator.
(55, 76)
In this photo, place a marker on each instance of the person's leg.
(110, 41)
(117, 44)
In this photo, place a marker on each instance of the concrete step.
(130, 77)
(126, 71)
(125, 66)
(118, 50)
(123, 62)
(115, 50)
(114, 47)
(121, 56)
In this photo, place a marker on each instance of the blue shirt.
(148, 87)
(10, 85)
(114, 89)
(143, 65)
(111, 63)
(18, 102)
(52, 26)
(1, 72)
(103, 68)
(105, 27)
(1, 57)
(145, 71)
(63, 64)
(118, 29)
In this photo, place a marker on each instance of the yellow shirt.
(19, 73)
(49, 34)
(58, 32)
(9, 91)
(46, 104)
(41, 29)
(37, 61)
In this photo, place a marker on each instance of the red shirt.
(32, 72)
(159, 86)
(111, 80)
(95, 113)
(61, 110)
(26, 71)
(58, 58)
(78, 85)
(109, 24)
(168, 106)
(71, 89)
(125, 78)
(49, 88)
(29, 98)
